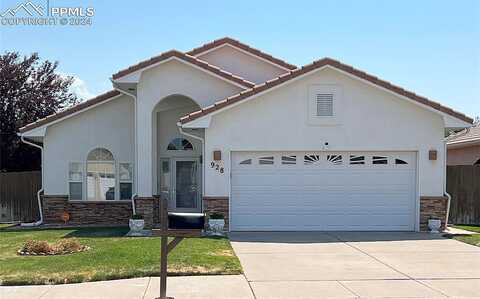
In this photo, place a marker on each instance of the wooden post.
(163, 248)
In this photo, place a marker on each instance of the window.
(400, 161)
(379, 160)
(125, 175)
(311, 159)
(324, 104)
(246, 162)
(265, 160)
(335, 159)
(165, 177)
(357, 160)
(75, 179)
(477, 163)
(100, 175)
(289, 160)
(180, 144)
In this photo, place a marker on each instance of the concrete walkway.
(189, 287)
(358, 265)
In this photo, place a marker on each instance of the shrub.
(137, 216)
(216, 215)
(64, 246)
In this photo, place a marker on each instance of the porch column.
(144, 150)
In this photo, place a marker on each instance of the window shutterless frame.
(80, 180)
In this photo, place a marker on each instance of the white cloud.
(80, 88)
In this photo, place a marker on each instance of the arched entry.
(178, 171)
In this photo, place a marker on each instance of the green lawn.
(473, 239)
(111, 257)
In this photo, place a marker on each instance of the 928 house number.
(218, 166)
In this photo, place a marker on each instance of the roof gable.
(269, 85)
(233, 42)
(143, 65)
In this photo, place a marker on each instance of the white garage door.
(298, 191)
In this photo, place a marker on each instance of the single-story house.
(228, 128)
(463, 148)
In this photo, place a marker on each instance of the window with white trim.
(75, 180)
(125, 177)
(100, 175)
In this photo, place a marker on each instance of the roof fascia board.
(35, 132)
(139, 72)
(200, 123)
(26, 133)
(464, 141)
(243, 51)
(457, 123)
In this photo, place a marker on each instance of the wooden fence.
(18, 196)
(463, 184)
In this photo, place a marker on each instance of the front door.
(186, 184)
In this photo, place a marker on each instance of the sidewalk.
(186, 287)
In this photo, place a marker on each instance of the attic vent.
(324, 104)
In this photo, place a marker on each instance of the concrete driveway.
(357, 265)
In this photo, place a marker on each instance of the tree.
(29, 90)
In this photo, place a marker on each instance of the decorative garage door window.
(322, 159)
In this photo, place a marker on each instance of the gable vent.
(324, 104)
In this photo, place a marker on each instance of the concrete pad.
(434, 245)
(425, 265)
(201, 287)
(276, 267)
(391, 289)
(300, 290)
(118, 289)
(458, 288)
(22, 292)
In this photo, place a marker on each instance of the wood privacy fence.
(18, 196)
(463, 184)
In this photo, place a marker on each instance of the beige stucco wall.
(372, 120)
(463, 156)
(242, 64)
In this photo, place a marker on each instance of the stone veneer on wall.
(217, 205)
(98, 212)
(432, 207)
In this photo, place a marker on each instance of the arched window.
(180, 144)
(100, 175)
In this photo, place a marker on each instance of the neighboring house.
(463, 148)
(228, 128)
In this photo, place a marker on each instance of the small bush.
(64, 246)
(137, 216)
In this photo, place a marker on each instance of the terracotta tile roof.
(238, 44)
(467, 135)
(188, 58)
(310, 67)
(71, 110)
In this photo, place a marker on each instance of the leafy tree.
(29, 90)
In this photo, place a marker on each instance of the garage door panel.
(323, 196)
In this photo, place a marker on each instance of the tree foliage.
(30, 89)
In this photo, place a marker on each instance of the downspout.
(202, 140)
(41, 188)
(135, 167)
(449, 197)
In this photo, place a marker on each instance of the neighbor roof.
(96, 100)
(311, 67)
(188, 58)
(465, 136)
(240, 45)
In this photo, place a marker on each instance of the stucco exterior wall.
(372, 120)
(463, 156)
(239, 63)
(172, 78)
(109, 125)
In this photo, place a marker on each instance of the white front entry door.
(301, 191)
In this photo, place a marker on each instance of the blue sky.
(429, 47)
